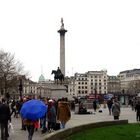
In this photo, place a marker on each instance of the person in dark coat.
(116, 109)
(109, 105)
(95, 105)
(5, 116)
(138, 111)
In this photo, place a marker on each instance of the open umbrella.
(33, 109)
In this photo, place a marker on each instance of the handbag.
(57, 126)
(10, 128)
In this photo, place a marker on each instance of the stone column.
(62, 32)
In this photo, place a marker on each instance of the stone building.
(83, 84)
(113, 85)
(129, 85)
(127, 77)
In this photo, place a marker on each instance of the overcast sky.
(102, 34)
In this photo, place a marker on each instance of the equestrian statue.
(58, 75)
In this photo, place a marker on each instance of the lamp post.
(20, 88)
(39, 91)
(95, 92)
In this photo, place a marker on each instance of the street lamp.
(95, 92)
(39, 91)
(20, 88)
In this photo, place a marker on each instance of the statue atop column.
(62, 23)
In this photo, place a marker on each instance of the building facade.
(84, 84)
(113, 85)
(127, 78)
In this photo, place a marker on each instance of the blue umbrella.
(33, 109)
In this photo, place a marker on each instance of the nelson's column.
(62, 32)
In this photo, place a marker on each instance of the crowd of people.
(58, 113)
(56, 116)
(115, 108)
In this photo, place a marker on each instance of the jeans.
(62, 126)
(4, 130)
(43, 124)
(30, 129)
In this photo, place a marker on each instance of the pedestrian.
(13, 108)
(63, 112)
(95, 105)
(116, 109)
(138, 110)
(43, 120)
(51, 116)
(22, 101)
(109, 105)
(5, 116)
(30, 125)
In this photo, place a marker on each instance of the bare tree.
(10, 68)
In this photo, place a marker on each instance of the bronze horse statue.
(58, 76)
